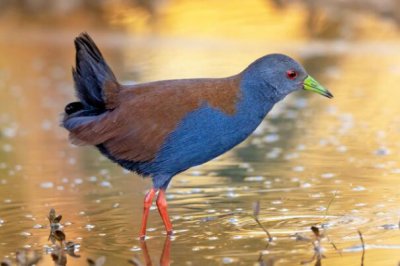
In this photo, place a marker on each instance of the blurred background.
(313, 161)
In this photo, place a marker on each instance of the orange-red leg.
(162, 209)
(148, 200)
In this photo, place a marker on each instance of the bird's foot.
(170, 233)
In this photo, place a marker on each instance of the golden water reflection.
(309, 153)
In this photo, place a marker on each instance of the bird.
(159, 129)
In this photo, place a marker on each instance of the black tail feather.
(73, 107)
(91, 73)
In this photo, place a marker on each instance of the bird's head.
(277, 75)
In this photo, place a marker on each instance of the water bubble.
(9, 132)
(89, 227)
(46, 185)
(135, 248)
(359, 188)
(72, 161)
(291, 156)
(301, 147)
(196, 173)
(46, 125)
(244, 165)
(300, 103)
(227, 260)
(389, 226)
(328, 175)
(341, 148)
(104, 172)
(25, 234)
(234, 221)
(195, 190)
(105, 184)
(270, 138)
(92, 178)
(382, 151)
(78, 181)
(298, 168)
(274, 153)
(361, 204)
(7, 148)
(231, 194)
(254, 178)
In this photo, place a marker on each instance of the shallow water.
(313, 162)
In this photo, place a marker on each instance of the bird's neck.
(257, 98)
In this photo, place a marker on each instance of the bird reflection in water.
(165, 257)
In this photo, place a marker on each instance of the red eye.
(291, 74)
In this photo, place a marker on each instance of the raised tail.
(92, 75)
(95, 84)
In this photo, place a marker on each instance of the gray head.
(277, 75)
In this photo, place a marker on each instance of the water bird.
(160, 129)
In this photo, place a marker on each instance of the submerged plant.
(62, 248)
(256, 212)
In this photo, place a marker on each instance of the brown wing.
(147, 113)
